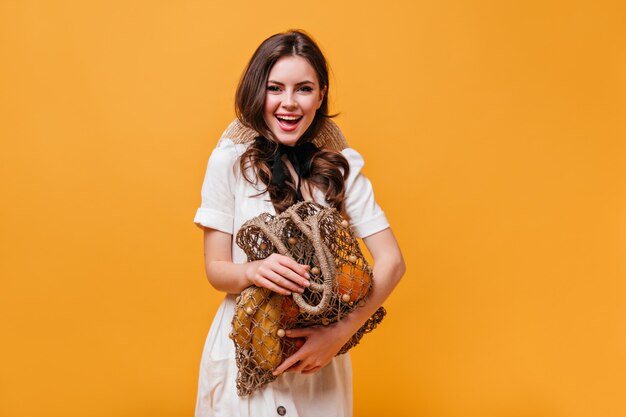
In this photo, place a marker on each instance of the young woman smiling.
(276, 153)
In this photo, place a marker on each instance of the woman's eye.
(306, 89)
(273, 88)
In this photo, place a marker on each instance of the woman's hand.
(323, 342)
(321, 346)
(278, 273)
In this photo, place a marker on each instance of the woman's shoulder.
(224, 156)
(355, 161)
(353, 156)
(233, 142)
(227, 149)
(331, 138)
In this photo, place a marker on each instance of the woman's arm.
(323, 342)
(278, 273)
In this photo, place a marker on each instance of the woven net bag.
(340, 280)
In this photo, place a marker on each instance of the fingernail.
(306, 275)
(306, 283)
(288, 293)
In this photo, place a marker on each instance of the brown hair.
(329, 169)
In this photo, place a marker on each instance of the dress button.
(281, 410)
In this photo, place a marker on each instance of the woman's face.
(292, 96)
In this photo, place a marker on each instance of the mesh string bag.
(340, 280)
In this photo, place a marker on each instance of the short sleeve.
(365, 214)
(218, 189)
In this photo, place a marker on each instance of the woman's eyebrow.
(300, 83)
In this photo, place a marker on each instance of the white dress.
(228, 200)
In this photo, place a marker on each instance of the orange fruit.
(353, 281)
(289, 315)
(291, 346)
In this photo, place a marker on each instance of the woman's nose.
(289, 101)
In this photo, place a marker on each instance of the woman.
(266, 161)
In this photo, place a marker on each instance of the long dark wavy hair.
(329, 169)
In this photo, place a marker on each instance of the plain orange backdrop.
(493, 132)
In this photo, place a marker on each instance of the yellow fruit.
(250, 301)
(265, 341)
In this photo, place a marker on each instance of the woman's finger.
(283, 282)
(299, 366)
(287, 363)
(292, 276)
(264, 282)
(302, 270)
(311, 370)
(299, 332)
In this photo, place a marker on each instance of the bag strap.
(311, 230)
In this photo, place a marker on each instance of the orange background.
(493, 133)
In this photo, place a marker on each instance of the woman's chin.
(287, 138)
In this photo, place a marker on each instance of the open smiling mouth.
(288, 120)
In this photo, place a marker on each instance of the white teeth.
(288, 117)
